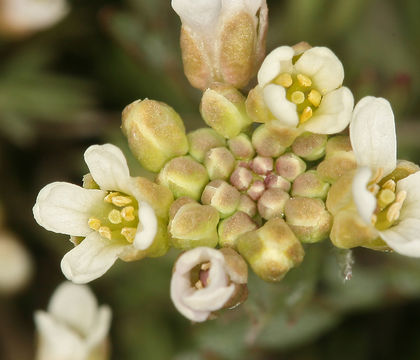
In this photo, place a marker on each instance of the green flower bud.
(290, 166)
(184, 177)
(256, 108)
(223, 108)
(222, 196)
(340, 194)
(178, 203)
(241, 147)
(247, 205)
(155, 133)
(309, 184)
(310, 146)
(194, 225)
(233, 227)
(271, 203)
(272, 250)
(308, 219)
(219, 163)
(202, 140)
(336, 144)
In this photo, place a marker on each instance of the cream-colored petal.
(404, 238)
(365, 201)
(333, 114)
(280, 107)
(198, 14)
(411, 205)
(65, 208)
(100, 329)
(372, 134)
(108, 167)
(90, 259)
(75, 306)
(323, 66)
(275, 63)
(148, 229)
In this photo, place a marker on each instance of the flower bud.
(223, 108)
(272, 250)
(194, 225)
(219, 163)
(222, 196)
(241, 178)
(155, 133)
(290, 166)
(256, 189)
(247, 205)
(262, 165)
(184, 177)
(202, 140)
(222, 40)
(336, 144)
(206, 280)
(256, 108)
(271, 203)
(233, 227)
(310, 146)
(309, 184)
(241, 147)
(276, 181)
(308, 219)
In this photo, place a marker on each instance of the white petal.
(90, 259)
(65, 208)
(280, 107)
(372, 134)
(198, 14)
(101, 327)
(365, 201)
(275, 63)
(333, 114)
(75, 306)
(411, 206)
(108, 167)
(323, 66)
(148, 229)
(404, 238)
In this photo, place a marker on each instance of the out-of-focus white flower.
(205, 280)
(302, 87)
(222, 40)
(15, 264)
(386, 198)
(74, 328)
(20, 17)
(113, 219)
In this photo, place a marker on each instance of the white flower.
(221, 273)
(383, 197)
(112, 219)
(303, 89)
(74, 328)
(26, 16)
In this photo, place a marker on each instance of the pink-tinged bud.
(222, 196)
(310, 146)
(241, 147)
(233, 227)
(256, 108)
(222, 41)
(219, 163)
(247, 205)
(310, 184)
(241, 178)
(276, 181)
(202, 140)
(290, 166)
(256, 189)
(271, 203)
(262, 165)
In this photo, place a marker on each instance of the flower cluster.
(275, 170)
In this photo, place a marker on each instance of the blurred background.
(63, 89)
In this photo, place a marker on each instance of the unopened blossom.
(74, 327)
(222, 40)
(385, 193)
(123, 217)
(21, 17)
(302, 88)
(206, 280)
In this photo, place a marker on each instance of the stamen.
(109, 197)
(304, 80)
(121, 201)
(105, 232)
(128, 213)
(401, 196)
(374, 219)
(284, 80)
(205, 266)
(385, 197)
(374, 188)
(298, 97)
(94, 223)
(389, 184)
(377, 176)
(393, 212)
(114, 216)
(306, 114)
(199, 285)
(314, 97)
(129, 233)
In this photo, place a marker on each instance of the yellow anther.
(297, 97)
(314, 97)
(111, 195)
(105, 232)
(374, 188)
(377, 176)
(114, 216)
(284, 80)
(205, 266)
(121, 201)
(393, 212)
(401, 196)
(306, 114)
(94, 223)
(385, 197)
(199, 285)
(129, 233)
(128, 213)
(304, 80)
(389, 184)
(374, 219)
